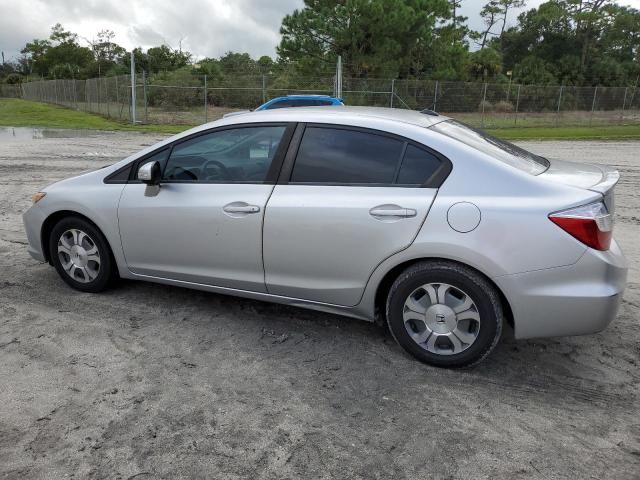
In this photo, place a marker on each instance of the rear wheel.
(444, 314)
(81, 255)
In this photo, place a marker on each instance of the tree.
(490, 14)
(455, 19)
(579, 42)
(533, 71)
(485, 63)
(159, 59)
(238, 63)
(109, 56)
(209, 67)
(590, 17)
(266, 64)
(505, 6)
(374, 37)
(60, 55)
(33, 57)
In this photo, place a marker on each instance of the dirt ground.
(151, 381)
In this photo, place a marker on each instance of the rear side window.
(335, 156)
(418, 166)
(499, 149)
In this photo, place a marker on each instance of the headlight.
(37, 197)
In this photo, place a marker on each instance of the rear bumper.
(577, 299)
(33, 220)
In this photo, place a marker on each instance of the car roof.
(319, 114)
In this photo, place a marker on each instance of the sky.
(206, 28)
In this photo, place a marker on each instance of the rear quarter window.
(418, 167)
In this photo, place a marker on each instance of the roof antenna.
(430, 111)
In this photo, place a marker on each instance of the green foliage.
(189, 95)
(569, 42)
(159, 59)
(575, 42)
(61, 55)
(374, 37)
(14, 79)
(485, 64)
(533, 71)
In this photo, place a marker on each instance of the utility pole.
(339, 77)
(393, 92)
(206, 113)
(133, 89)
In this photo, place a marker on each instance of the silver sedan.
(412, 219)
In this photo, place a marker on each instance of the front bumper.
(577, 299)
(33, 220)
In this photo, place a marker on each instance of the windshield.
(499, 149)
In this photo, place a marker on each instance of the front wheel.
(444, 314)
(81, 255)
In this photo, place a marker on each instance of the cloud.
(206, 28)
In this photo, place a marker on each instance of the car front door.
(204, 223)
(349, 200)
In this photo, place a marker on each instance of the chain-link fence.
(10, 91)
(194, 99)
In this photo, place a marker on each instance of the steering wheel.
(221, 171)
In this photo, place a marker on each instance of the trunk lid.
(597, 178)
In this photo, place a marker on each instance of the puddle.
(29, 133)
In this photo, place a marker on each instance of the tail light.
(592, 224)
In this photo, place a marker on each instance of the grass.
(617, 132)
(22, 113)
(15, 112)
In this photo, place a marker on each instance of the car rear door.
(347, 199)
(204, 224)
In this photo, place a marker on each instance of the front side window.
(239, 155)
(340, 156)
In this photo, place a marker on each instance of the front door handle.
(392, 211)
(241, 208)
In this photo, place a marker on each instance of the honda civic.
(413, 219)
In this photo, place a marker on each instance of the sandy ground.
(150, 381)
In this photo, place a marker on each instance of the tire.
(445, 314)
(81, 255)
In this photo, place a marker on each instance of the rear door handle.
(241, 208)
(392, 211)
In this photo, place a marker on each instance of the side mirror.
(150, 173)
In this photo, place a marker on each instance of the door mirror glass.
(150, 173)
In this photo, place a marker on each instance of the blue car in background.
(301, 101)
(289, 101)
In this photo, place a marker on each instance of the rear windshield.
(499, 149)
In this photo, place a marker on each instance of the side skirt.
(265, 297)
